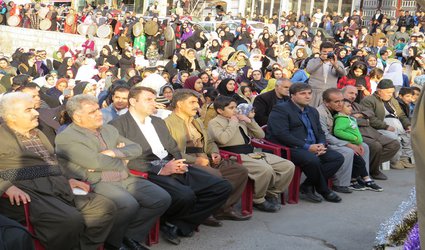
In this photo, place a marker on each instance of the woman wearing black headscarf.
(67, 66)
(227, 87)
(27, 65)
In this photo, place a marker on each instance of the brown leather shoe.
(212, 222)
(232, 215)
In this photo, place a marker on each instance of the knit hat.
(385, 84)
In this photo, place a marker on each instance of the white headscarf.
(394, 72)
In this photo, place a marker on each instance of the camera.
(331, 55)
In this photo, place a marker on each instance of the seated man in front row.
(195, 145)
(271, 174)
(29, 172)
(96, 152)
(195, 193)
(296, 124)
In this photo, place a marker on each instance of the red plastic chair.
(247, 195)
(153, 237)
(294, 186)
(28, 224)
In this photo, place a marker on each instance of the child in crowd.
(405, 99)
(398, 48)
(375, 76)
(346, 128)
(357, 77)
(415, 96)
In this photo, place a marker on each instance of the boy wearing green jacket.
(346, 128)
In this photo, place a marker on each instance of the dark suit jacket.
(286, 127)
(14, 155)
(128, 128)
(264, 104)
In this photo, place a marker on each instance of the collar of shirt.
(148, 130)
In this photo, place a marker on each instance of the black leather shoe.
(170, 234)
(342, 189)
(185, 234)
(307, 193)
(273, 200)
(212, 222)
(133, 245)
(379, 176)
(332, 197)
(107, 246)
(267, 206)
(232, 215)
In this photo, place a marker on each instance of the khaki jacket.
(178, 131)
(226, 132)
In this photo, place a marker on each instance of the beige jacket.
(226, 132)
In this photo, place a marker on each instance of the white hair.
(8, 102)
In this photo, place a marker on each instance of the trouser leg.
(237, 175)
(393, 135)
(99, 215)
(283, 173)
(261, 173)
(127, 209)
(359, 167)
(153, 202)
(195, 196)
(343, 175)
(375, 155)
(57, 225)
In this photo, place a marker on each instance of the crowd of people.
(74, 124)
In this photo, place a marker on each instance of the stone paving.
(351, 224)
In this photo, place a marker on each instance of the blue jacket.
(285, 126)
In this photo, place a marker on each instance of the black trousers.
(60, 219)
(318, 169)
(359, 167)
(195, 196)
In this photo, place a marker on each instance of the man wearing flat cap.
(390, 121)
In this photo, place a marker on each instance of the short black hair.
(181, 95)
(120, 88)
(414, 88)
(222, 102)
(298, 87)
(326, 45)
(21, 80)
(30, 85)
(405, 91)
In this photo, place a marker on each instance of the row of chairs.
(246, 199)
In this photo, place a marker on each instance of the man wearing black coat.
(265, 102)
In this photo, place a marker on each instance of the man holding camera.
(324, 72)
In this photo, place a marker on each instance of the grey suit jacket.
(79, 152)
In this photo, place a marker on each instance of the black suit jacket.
(128, 128)
(264, 104)
(285, 126)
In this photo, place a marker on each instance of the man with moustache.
(195, 193)
(95, 152)
(197, 147)
(30, 173)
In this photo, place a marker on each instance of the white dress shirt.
(148, 130)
